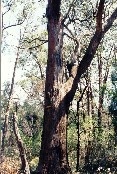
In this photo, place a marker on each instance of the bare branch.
(39, 64)
(82, 94)
(6, 11)
(14, 25)
(73, 37)
(41, 40)
(8, 4)
(37, 46)
(110, 21)
(88, 57)
(66, 15)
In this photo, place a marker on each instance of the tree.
(113, 104)
(21, 16)
(8, 7)
(5, 126)
(24, 163)
(102, 83)
(58, 95)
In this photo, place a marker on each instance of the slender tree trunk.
(88, 152)
(78, 129)
(24, 163)
(100, 91)
(102, 87)
(88, 93)
(5, 127)
(78, 133)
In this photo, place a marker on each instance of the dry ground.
(9, 166)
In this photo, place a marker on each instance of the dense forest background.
(59, 106)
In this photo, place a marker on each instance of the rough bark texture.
(53, 154)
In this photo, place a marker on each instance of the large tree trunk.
(53, 155)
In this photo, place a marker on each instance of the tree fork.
(53, 154)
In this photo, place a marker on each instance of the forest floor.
(9, 166)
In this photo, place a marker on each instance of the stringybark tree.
(58, 95)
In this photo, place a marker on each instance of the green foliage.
(113, 104)
(33, 59)
(31, 130)
(72, 137)
(33, 163)
(101, 151)
(5, 96)
(72, 144)
(32, 144)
